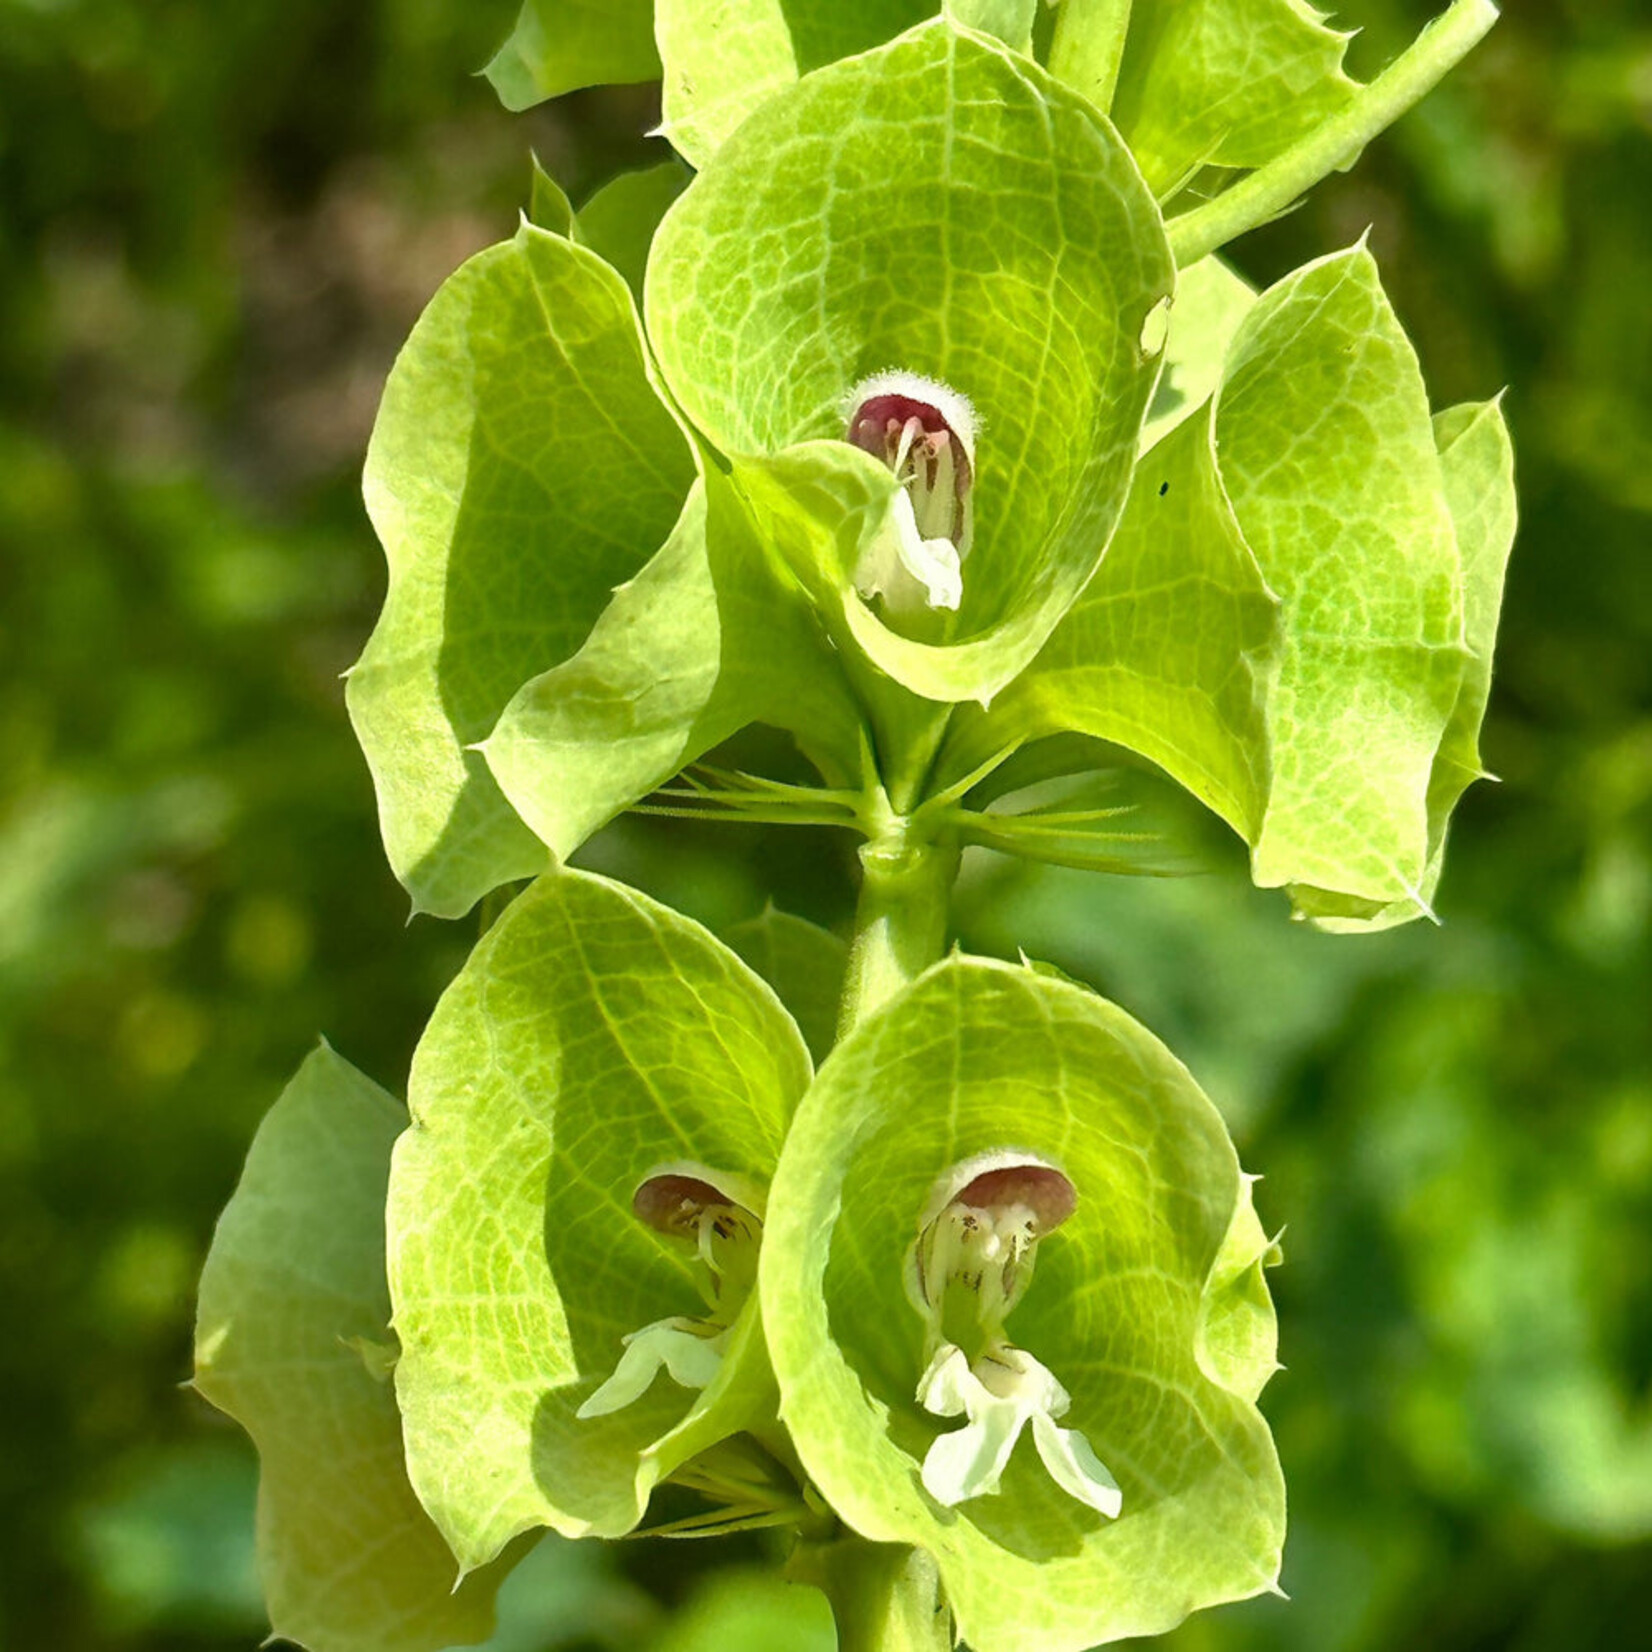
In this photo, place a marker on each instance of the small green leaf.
(705, 640)
(592, 1037)
(520, 468)
(723, 58)
(1328, 457)
(867, 220)
(548, 207)
(1227, 83)
(804, 964)
(977, 1056)
(1478, 463)
(559, 46)
(1210, 303)
(619, 220)
(1162, 652)
(293, 1286)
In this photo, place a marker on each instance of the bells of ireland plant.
(1012, 1285)
(574, 1218)
(851, 257)
(923, 425)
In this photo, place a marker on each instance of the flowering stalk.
(1274, 188)
(900, 917)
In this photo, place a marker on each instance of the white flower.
(970, 1265)
(909, 571)
(978, 1239)
(718, 1215)
(925, 432)
(1000, 1394)
(689, 1352)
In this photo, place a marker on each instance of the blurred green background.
(217, 222)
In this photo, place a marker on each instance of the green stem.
(1089, 47)
(906, 732)
(901, 919)
(1271, 189)
(885, 1597)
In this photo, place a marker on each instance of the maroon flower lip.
(914, 439)
(980, 1231)
(1002, 1178)
(1039, 1188)
(673, 1202)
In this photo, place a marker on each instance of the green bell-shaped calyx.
(292, 1341)
(597, 1105)
(521, 467)
(860, 233)
(1150, 1486)
(569, 619)
(1296, 616)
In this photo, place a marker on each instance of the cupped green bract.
(291, 1340)
(708, 638)
(1328, 457)
(1296, 616)
(1229, 83)
(559, 46)
(1477, 460)
(940, 206)
(521, 467)
(1144, 1305)
(592, 1037)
